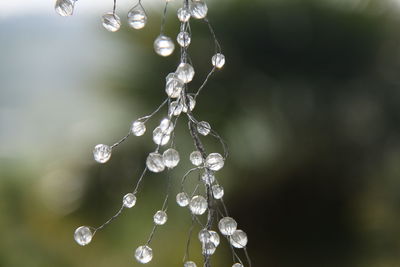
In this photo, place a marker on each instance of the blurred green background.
(308, 102)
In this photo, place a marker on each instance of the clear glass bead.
(237, 265)
(171, 158)
(209, 248)
(189, 264)
(203, 128)
(198, 205)
(144, 254)
(208, 177)
(160, 217)
(206, 236)
(175, 108)
(155, 162)
(183, 14)
(164, 46)
(227, 226)
(137, 17)
(166, 126)
(218, 60)
(159, 137)
(174, 85)
(138, 128)
(185, 72)
(192, 104)
(218, 191)
(65, 8)
(129, 200)
(102, 153)
(111, 22)
(196, 158)
(182, 199)
(239, 239)
(214, 161)
(183, 39)
(83, 235)
(198, 9)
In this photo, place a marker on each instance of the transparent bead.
(175, 108)
(227, 226)
(111, 22)
(166, 126)
(185, 72)
(203, 128)
(214, 238)
(192, 104)
(155, 162)
(198, 205)
(171, 158)
(208, 177)
(196, 158)
(206, 236)
(237, 265)
(129, 200)
(189, 264)
(137, 17)
(65, 8)
(102, 153)
(218, 191)
(198, 9)
(174, 85)
(144, 254)
(239, 239)
(209, 248)
(160, 217)
(159, 137)
(164, 46)
(83, 235)
(183, 14)
(183, 39)
(182, 199)
(214, 161)
(138, 128)
(218, 60)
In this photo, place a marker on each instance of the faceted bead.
(160, 217)
(196, 158)
(183, 14)
(198, 9)
(218, 60)
(203, 128)
(182, 199)
(65, 8)
(164, 46)
(159, 137)
(214, 238)
(171, 158)
(183, 39)
(83, 235)
(174, 85)
(102, 153)
(214, 161)
(209, 248)
(237, 265)
(192, 104)
(129, 200)
(218, 191)
(111, 22)
(138, 128)
(155, 162)
(144, 254)
(185, 72)
(175, 108)
(198, 205)
(206, 236)
(227, 226)
(166, 126)
(190, 264)
(137, 17)
(239, 239)
(208, 177)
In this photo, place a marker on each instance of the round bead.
(102, 153)
(206, 236)
(209, 248)
(65, 8)
(171, 158)
(218, 60)
(175, 108)
(227, 226)
(198, 9)
(196, 158)
(237, 265)
(185, 72)
(138, 128)
(198, 205)
(111, 22)
(166, 126)
(218, 191)
(214, 161)
(129, 200)
(189, 264)
(155, 162)
(239, 239)
(160, 217)
(183, 39)
(182, 199)
(208, 177)
(83, 235)
(203, 128)
(183, 14)
(192, 104)
(159, 137)
(174, 85)
(164, 46)
(137, 17)
(144, 254)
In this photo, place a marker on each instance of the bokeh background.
(309, 103)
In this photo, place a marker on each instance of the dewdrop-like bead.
(238, 239)
(192, 104)
(144, 254)
(209, 248)
(159, 137)
(206, 236)
(65, 8)
(183, 14)
(137, 17)
(155, 162)
(185, 72)
(203, 128)
(129, 200)
(214, 161)
(166, 126)
(102, 153)
(175, 108)
(83, 235)
(189, 264)
(171, 158)
(198, 205)
(111, 22)
(208, 177)
(164, 46)
(160, 217)
(183, 39)
(182, 199)
(218, 60)
(237, 265)
(218, 191)
(174, 85)
(196, 158)
(198, 9)
(227, 226)
(138, 128)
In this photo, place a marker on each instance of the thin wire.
(115, 7)
(187, 174)
(187, 250)
(164, 18)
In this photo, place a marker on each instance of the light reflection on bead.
(83, 235)
(189, 264)
(183, 14)
(218, 60)
(137, 17)
(192, 104)
(218, 191)
(182, 199)
(102, 153)
(174, 85)
(159, 137)
(160, 218)
(214, 161)
(65, 8)
(164, 46)
(206, 236)
(183, 39)
(227, 226)
(203, 128)
(175, 108)
(198, 9)
(209, 248)
(155, 162)
(185, 72)
(198, 205)
(111, 22)
(237, 265)
(208, 177)
(196, 158)
(166, 126)
(171, 158)
(239, 239)
(138, 128)
(129, 200)
(144, 254)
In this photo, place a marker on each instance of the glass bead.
(174, 85)
(206, 236)
(182, 199)
(155, 162)
(129, 200)
(198, 205)
(218, 60)
(175, 108)
(209, 248)
(164, 46)
(183, 39)
(160, 217)
(137, 17)
(192, 104)
(171, 158)
(198, 9)
(183, 14)
(138, 128)
(111, 22)
(208, 177)
(203, 128)
(159, 137)
(65, 8)
(196, 158)
(218, 191)
(83, 235)
(166, 126)
(214, 161)
(189, 264)
(185, 72)
(239, 239)
(237, 265)
(102, 153)
(214, 238)
(144, 254)
(227, 226)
